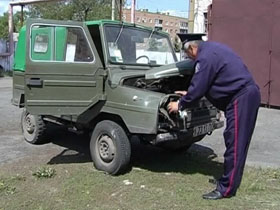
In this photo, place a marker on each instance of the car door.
(64, 74)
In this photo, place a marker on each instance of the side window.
(41, 43)
(41, 48)
(77, 48)
(60, 43)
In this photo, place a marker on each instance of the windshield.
(130, 45)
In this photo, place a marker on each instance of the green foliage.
(17, 21)
(4, 32)
(1, 72)
(6, 189)
(80, 10)
(7, 73)
(272, 174)
(44, 172)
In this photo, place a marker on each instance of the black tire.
(181, 145)
(110, 148)
(33, 127)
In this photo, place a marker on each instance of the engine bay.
(200, 111)
(162, 85)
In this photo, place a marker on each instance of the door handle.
(34, 82)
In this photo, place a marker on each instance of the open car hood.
(185, 67)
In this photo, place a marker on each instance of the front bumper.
(185, 134)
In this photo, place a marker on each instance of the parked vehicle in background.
(108, 78)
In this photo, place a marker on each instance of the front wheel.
(110, 148)
(33, 127)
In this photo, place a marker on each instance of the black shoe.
(214, 195)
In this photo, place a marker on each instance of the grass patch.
(4, 73)
(7, 185)
(44, 172)
(6, 188)
(8, 73)
(158, 180)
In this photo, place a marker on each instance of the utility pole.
(121, 2)
(113, 9)
(11, 30)
(133, 11)
(21, 16)
(191, 16)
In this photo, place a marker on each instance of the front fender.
(138, 108)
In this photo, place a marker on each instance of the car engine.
(162, 85)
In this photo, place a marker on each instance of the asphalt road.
(264, 150)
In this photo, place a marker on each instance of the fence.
(6, 60)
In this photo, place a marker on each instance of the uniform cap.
(191, 37)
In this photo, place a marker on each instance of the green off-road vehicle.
(111, 79)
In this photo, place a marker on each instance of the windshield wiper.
(151, 34)
(119, 34)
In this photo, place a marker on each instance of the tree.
(4, 25)
(80, 10)
(4, 32)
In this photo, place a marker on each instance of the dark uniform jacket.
(220, 75)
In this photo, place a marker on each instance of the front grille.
(198, 117)
(201, 112)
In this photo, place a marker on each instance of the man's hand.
(181, 92)
(173, 107)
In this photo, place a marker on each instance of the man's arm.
(200, 83)
(173, 106)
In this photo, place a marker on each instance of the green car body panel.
(19, 60)
(51, 81)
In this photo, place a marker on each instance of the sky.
(4, 6)
(174, 7)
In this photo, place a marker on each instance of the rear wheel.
(33, 127)
(110, 148)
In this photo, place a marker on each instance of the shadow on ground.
(76, 146)
(198, 159)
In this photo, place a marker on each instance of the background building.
(198, 18)
(164, 22)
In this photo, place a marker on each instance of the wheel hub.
(106, 148)
(29, 123)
